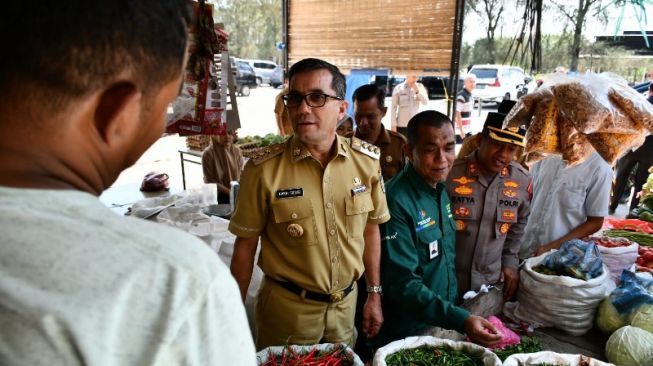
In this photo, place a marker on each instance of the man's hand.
(481, 331)
(372, 315)
(510, 279)
(547, 247)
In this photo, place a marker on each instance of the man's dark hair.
(433, 119)
(57, 51)
(650, 87)
(369, 91)
(312, 64)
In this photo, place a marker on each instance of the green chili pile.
(527, 345)
(432, 356)
(289, 357)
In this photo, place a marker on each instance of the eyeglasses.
(316, 100)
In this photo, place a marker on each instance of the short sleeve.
(598, 193)
(251, 211)
(380, 213)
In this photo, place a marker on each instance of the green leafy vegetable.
(527, 345)
(432, 356)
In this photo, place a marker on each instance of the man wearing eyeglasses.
(315, 201)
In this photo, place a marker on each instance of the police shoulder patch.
(365, 148)
(267, 153)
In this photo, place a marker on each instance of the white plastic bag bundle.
(619, 258)
(547, 357)
(489, 358)
(562, 302)
(264, 355)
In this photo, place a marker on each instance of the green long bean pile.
(432, 356)
(527, 345)
(640, 238)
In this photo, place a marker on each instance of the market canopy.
(405, 36)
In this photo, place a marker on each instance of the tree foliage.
(491, 12)
(254, 27)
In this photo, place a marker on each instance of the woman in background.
(222, 163)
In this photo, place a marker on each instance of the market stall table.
(120, 198)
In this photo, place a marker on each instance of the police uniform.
(418, 260)
(392, 152)
(310, 220)
(490, 214)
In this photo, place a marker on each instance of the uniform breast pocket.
(356, 210)
(295, 221)
(404, 100)
(429, 244)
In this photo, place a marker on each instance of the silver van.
(267, 72)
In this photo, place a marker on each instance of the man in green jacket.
(418, 243)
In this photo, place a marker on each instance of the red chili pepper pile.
(289, 357)
(645, 259)
(609, 242)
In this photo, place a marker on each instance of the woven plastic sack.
(265, 354)
(489, 358)
(548, 357)
(577, 259)
(619, 258)
(566, 303)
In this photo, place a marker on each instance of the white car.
(495, 83)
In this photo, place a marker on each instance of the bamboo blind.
(407, 36)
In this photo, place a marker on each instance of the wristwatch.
(375, 289)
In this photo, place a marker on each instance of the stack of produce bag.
(434, 351)
(319, 354)
(568, 294)
(617, 254)
(551, 358)
(631, 303)
(574, 116)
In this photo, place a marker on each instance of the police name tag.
(358, 190)
(290, 192)
(433, 249)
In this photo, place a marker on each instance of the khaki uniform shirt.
(392, 152)
(280, 108)
(490, 219)
(311, 218)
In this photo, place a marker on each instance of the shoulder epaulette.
(268, 153)
(365, 148)
(397, 135)
(518, 167)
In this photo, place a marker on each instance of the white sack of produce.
(473, 350)
(551, 358)
(562, 302)
(630, 346)
(617, 253)
(315, 352)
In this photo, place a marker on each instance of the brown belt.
(329, 298)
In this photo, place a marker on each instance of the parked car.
(387, 83)
(495, 83)
(245, 76)
(267, 72)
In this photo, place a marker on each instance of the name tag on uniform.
(290, 192)
(358, 190)
(433, 249)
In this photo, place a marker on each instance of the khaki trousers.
(283, 317)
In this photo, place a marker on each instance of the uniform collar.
(383, 139)
(419, 183)
(298, 150)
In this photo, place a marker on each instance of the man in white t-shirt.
(406, 99)
(84, 94)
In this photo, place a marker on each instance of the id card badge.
(433, 249)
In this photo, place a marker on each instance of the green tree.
(491, 12)
(254, 26)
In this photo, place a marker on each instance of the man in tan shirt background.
(315, 201)
(281, 112)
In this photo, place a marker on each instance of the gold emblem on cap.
(295, 230)
(513, 129)
(357, 181)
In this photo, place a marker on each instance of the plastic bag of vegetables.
(433, 351)
(630, 346)
(551, 358)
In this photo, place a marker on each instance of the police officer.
(315, 201)
(418, 260)
(490, 195)
(369, 109)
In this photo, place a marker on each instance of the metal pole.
(284, 37)
(455, 56)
